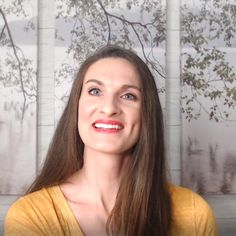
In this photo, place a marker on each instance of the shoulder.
(40, 199)
(191, 212)
(31, 212)
(185, 196)
(186, 199)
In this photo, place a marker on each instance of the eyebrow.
(94, 80)
(124, 86)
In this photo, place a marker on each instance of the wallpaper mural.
(209, 96)
(83, 26)
(208, 77)
(18, 48)
(208, 72)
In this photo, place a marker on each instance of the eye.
(129, 96)
(94, 92)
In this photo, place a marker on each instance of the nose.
(110, 106)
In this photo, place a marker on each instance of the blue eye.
(129, 96)
(94, 92)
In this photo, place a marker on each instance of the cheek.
(83, 119)
(137, 122)
(82, 115)
(86, 110)
(137, 116)
(85, 107)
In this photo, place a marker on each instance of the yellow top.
(46, 212)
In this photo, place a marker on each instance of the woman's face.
(109, 116)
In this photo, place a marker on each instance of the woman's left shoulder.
(184, 198)
(191, 211)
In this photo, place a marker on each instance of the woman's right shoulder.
(40, 198)
(28, 212)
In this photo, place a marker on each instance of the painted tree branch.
(108, 22)
(125, 20)
(132, 25)
(1, 34)
(24, 92)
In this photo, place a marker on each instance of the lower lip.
(107, 131)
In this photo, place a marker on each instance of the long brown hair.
(143, 204)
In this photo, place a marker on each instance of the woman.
(105, 169)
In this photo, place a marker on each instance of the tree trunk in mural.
(173, 90)
(45, 78)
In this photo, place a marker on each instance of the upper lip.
(110, 122)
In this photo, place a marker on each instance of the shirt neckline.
(65, 208)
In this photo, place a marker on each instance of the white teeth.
(107, 126)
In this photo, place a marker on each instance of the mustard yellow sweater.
(46, 212)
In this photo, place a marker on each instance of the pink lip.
(110, 122)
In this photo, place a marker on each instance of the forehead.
(113, 69)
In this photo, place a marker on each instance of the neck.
(100, 176)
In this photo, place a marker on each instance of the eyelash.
(91, 90)
(127, 96)
(134, 98)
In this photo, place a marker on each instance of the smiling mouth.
(108, 126)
